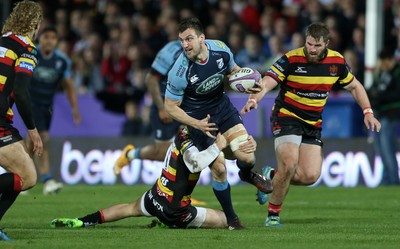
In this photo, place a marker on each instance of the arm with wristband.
(252, 103)
(361, 97)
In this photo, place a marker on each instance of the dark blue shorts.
(162, 131)
(225, 116)
(42, 117)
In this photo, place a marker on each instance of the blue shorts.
(162, 131)
(42, 117)
(225, 116)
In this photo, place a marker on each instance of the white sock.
(130, 154)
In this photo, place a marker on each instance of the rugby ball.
(244, 79)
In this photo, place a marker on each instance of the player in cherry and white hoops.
(170, 197)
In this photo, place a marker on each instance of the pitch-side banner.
(347, 162)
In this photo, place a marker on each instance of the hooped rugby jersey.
(176, 183)
(17, 55)
(304, 87)
(199, 86)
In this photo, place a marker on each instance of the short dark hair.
(386, 53)
(318, 30)
(191, 23)
(48, 28)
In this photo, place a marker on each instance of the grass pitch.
(313, 218)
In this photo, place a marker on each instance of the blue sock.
(46, 177)
(137, 153)
(222, 191)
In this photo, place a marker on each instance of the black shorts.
(179, 218)
(162, 131)
(292, 126)
(42, 117)
(225, 116)
(9, 135)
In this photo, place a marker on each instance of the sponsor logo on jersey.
(32, 50)
(29, 56)
(180, 71)
(194, 79)
(300, 70)
(26, 65)
(210, 84)
(278, 67)
(3, 52)
(313, 95)
(220, 44)
(220, 63)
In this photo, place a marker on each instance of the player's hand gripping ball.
(244, 79)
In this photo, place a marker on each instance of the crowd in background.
(112, 43)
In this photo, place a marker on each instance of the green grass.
(313, 218)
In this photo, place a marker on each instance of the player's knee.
(218, 170)
(218, 173)
(28, 180)
(311, 178)
(245, 158)
(288, 166)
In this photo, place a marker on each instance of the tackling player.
(195, 91)
(17, 62)
(53, 68)
(170, 197)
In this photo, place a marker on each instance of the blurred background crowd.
(113, 43)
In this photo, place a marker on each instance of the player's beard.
(194, 53)
(317, 58)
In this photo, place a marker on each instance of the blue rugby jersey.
(47, 76)
(164, 61)
(200, 86)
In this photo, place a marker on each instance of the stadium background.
(114, 105)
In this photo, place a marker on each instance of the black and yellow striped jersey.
(176, 182)
(304, 87)
(17, 55)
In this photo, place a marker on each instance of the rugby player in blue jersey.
(165, 129)
(170, 197)
(53, 69)
(195, 97)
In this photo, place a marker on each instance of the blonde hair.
(24, 18)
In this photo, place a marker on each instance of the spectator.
(358, 44)
(281, 29)
(251, 55)
(385, 98)
(277, 51)
(353, 61)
